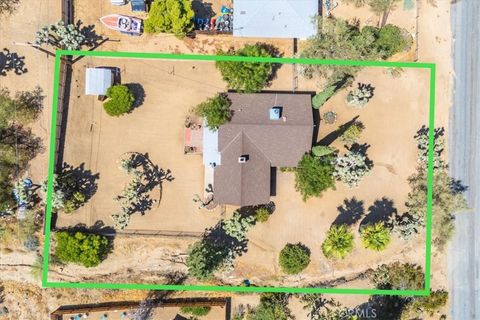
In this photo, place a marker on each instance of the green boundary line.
(132, 286)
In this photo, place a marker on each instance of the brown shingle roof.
(268, 143)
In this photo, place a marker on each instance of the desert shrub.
(120, 100)
(330, 117)
(237, 226)
(375, 236)
(351, 132)
(196, 311)
(262, 214)
(68, 193)
(31, 243)
(339, 242)
(294, 258)
(314, 175)
(59, 35)
(215, 110)
(170, 16)
(391, 40)
(204, 259)
(273, 306)
(351, 168)
(81, 248)
(398, 276)
(23, 108)
(360, 96)
(320, 98)
(320, 151)
(426, 304)
(246, 76)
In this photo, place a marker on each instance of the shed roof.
(97, 81)
(275, 18)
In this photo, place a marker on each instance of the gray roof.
(275, 18)
(268, 143)
(97, 81)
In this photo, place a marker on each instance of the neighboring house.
(267, 130)
(275, 18)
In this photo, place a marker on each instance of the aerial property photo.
(252, 180)
(244, 160)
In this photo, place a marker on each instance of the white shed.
(97, 81)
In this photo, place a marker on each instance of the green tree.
(237, 226)
(215, 110)
(204, 259)
(294, 258)
(120, 100)
(425, 305)
(195, 311)
(399, 276)
(314, 175)
(170, 16)
(273, 306)
(391, 40)
(246, 76)
(339, 242)
(23, 108)
(375, 236)
(86, 249)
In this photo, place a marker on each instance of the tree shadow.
(331, 137)
(273, 52)
(381, 211)
(92, 39)
(27, 145)
(224, 242)
(424, 131)
(139, 94)
(203, 9)
(351, 211)
(11, 61)
(362, 149)
(82, 180)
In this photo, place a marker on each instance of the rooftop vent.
(243, 158)
(276, 113)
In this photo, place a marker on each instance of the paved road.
(464, 252)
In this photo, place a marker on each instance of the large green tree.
(246, 76)
(314, 175)
(383, 8)
(216, 111)
(81, 248)
(204, 258)
(170, 16)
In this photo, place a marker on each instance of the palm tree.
(375, 236)
(339, 242)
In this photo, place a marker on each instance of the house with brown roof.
(266, 131)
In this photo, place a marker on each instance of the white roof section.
(275, 18)
(211, 156)
(97, 81)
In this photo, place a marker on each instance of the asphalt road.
(464, 150)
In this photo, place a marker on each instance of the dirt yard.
(156, 127)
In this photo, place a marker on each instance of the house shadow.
(351, 211)
(332, 136)
(382, 210)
